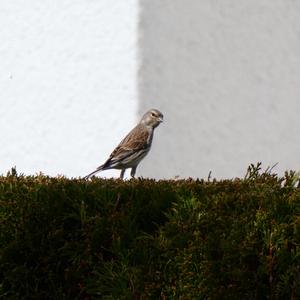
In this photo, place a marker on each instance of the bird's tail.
(94, 172)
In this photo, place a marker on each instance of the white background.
(67, 83)
(75, 76)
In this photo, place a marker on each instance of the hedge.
(144, 239)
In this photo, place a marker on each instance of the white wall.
(67, 83)
(227, 76)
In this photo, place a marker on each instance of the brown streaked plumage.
(134, 147)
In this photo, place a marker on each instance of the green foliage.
(143, 239)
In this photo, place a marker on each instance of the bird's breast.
(150, 137)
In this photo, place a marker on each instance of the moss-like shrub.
(146, 239)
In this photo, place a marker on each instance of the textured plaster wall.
(75, 75)
(226, 74)
(67, 83)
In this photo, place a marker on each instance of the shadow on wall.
(225, 76)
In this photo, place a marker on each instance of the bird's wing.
(131, 147)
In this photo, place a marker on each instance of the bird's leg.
(133, 170)
(122, 173)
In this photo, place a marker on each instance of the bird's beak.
(160, 120)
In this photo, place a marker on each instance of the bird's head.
(153, 118)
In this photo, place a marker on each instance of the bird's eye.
(153, 114)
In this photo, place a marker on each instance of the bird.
(134, 147)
